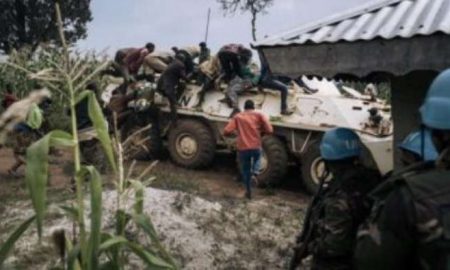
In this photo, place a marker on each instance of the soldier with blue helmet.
(413, 151)
(409, 225)
(337, 210)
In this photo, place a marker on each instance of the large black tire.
(276, 157)
(191, 144)
(312, 166)
(145, 145)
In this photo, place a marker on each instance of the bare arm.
(230, 127)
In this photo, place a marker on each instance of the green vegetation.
(88, 247)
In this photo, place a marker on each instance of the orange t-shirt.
(249, 126)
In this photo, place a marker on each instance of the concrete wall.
(408, 93)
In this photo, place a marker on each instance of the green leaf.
(122, 219)
(72, 258)
(73, 253)
(144, 222)
(9, 244)
(146, 225)
(36, 174)
(96, 215)
(100, 125)
(71, 211)
(112, 242)
(138, 197)
(82, 95)
(149, 259)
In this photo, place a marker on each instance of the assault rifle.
(303, 239)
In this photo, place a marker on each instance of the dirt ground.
(201, 216)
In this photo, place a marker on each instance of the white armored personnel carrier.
(196, 138)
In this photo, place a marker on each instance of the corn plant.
(90, 247)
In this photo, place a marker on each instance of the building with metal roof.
(406, 42)
(394, 36)
(384, 19)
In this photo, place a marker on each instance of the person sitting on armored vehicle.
(169, 80)
(239, 84)
(205, 53)
(269, 82)
(231, 57)
(128, 61)
(157, 61)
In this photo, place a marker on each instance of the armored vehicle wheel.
(274, 162)
(191, 144)
(312, 167)
(143, 145)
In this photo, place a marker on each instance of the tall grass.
(67, 75)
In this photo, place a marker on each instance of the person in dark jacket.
(169, 81)
(232, 57)
(343, 203)
(409, 228)
(268, 81)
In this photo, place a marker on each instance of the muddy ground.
(201, 216)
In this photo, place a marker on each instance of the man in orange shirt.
(250, 126)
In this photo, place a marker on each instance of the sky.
(132, 23)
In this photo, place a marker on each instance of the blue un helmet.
(413, 143)
(435, 111)
(340, 143)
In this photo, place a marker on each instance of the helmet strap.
(422, 141)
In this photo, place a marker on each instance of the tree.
(30, 22)
(255, 7)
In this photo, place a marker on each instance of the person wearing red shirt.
(250, 126)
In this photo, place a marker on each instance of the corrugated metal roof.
(383, 18)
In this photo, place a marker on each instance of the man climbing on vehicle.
(190, 53)
(231, 57)
(409, 226)
(249, 126)
(268, 81)
(128, 61)
(329, 232)
(205, 53)
(239, 84)
(169, 81)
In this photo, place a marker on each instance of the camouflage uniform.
(336, 218)
(409, 225)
